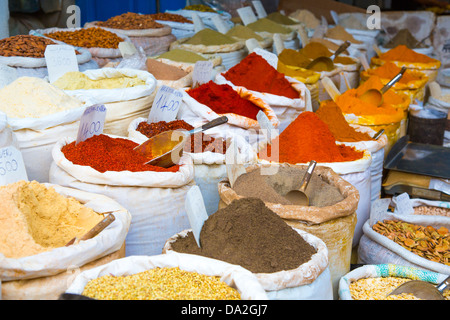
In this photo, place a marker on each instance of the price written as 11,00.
(7, 162)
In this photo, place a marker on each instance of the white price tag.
(270, 57)
(278, 43)
(7, 75)
(196, 211)
(198, 23)
(260, 11)
(60, 58)
(202, 72)
(92, 122)
(12, 167)
(251, 44)
(403, 204)
(247, 15)
(166, 105)
(378, 211)
(266, 126)
(220, 24)
(127, 48)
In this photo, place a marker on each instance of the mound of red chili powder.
(308, 138)
(256, 74)
(221, 98)
(199, 142)
(104, 153)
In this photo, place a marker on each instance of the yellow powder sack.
(35, 218)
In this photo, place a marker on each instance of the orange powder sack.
(374, 82)
(308, 138)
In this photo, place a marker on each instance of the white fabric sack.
(61, 259)
(385, 270)
(122, 104)
(179, 29)
(416, 202)
(288, 284)
(118, 94)
(37, 136)
(376, 148)
(375, 248)
(197, 114)
(206, 17)
(286, 109)
(209, 167)
(154, 199)
(28, 62)
(235, 276)
(95, 51)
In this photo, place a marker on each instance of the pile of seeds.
(378, 288)
(24, 46)
(432, 211)
(160, 284)
(131, 21)
(427, 242)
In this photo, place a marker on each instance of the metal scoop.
(422, 289)
(299, 197)
(374, 96)
(165, 149)
(321, 63)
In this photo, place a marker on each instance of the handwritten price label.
(202, 72)
(92, 122)
(60, 59)
(247, 15)
(12, 167)
(260, 11)
(166, 105)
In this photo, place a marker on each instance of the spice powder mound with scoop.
(249, 234)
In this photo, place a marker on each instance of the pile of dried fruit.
(170, 17)
(24, 46)
(427, 242)
(131, 21)
(88, 38)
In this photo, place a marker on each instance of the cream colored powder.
(445, 98)
(78, 81)
(36, 219)
(31, 97)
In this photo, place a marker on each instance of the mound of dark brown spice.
(249, 234)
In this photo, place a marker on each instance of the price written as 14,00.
(90, 129)
(169, 101)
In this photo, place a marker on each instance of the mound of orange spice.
(308, 138)
(105, 153)
(330, 113)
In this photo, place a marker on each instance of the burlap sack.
(334, 224)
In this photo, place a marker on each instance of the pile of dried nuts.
(160, 284)
(131, 21)
(432, 211)
(427, 242)
(88, 38)
(24, 46)
(170, 17)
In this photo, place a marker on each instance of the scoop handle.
(307, 176)
(443, 285)
(393, 81)
(342, 48)
(214, 123)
